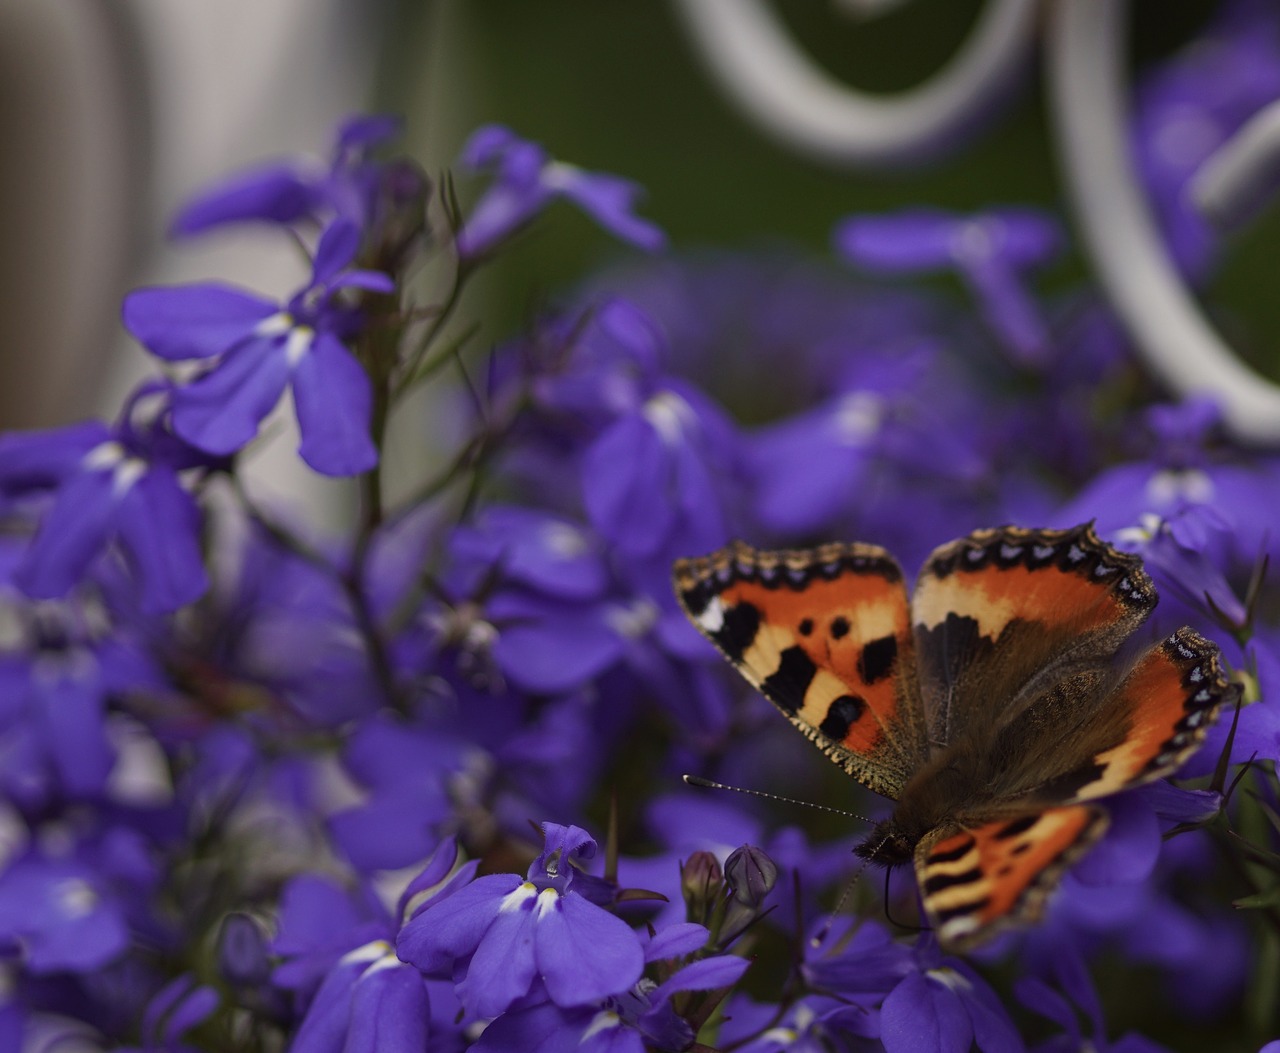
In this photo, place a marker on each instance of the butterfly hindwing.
(824, 634)
(975, 880)
(1001, 615)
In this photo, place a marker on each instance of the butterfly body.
(994, 705)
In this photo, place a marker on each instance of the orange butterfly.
(993, 707)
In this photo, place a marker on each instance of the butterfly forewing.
(1003, 615)
(823, 634)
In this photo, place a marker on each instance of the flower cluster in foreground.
(417, 786)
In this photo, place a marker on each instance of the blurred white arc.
(748, 50)
(775, 83)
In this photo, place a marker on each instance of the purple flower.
(288, 191)
(262, 347)
(526, 180)
(884, 434)
(339, 960)
(1187, 472)
(631, 1022)
(1074, 980)
(369, 1001)
(111, 484)
(651, 479)
(1191, 105)
(59, 916)
(509, 937)
(175, 1009)
(989, 250)
(945, 1007)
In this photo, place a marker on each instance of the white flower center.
(562, 540)
(1188, 484)
(275, 325)
(633, 620)
(602, 1021)
(75, 897)
(517, 897)
(298, 344)
(858, 417)
(668, 413)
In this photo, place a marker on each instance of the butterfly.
(996, 706)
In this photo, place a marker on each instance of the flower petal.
(453, 927)
(503, 967)
(278, 193)
(919, 1016)
(334, 400)
(220, 412)
(584, 952)
(159, 526)
(192, 321)
(71, 534)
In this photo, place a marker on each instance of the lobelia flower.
(59, 916)
(814, 1024)
(262, 347)
(634, 1021)
(868, 452)
(943, 1006)
(526, 180)
(989, 250)
(1073, 978)
(114, 488)
(557, 617)
(509, 938)
(286, 192)
(1187, 470)
(1189, 106)
(176, 1008)
(340, 962)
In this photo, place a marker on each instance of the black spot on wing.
(950, 856)
(1018, 826)
(842, 714)
(741, 623)
(944, 881)
(976, 907)
(877, 658)
(806, 626)
(839, 627)
(951, 645)
(786, 685)
(1064, 787)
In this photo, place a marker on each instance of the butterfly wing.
(824, 634)
(1000, 616)
(976, 881)
(1141, 730)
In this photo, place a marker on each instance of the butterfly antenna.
(698, 780)
(821, 935)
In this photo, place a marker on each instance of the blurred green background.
(617, 86)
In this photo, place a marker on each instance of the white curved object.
(1086, 43)
(1243, 173)
(777, 84)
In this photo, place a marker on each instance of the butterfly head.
(888, 845)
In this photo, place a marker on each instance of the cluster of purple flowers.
(262, 789)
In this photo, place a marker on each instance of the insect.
(996, 706)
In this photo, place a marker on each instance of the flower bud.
(750, 875)
(701, 882)
(242, 951)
